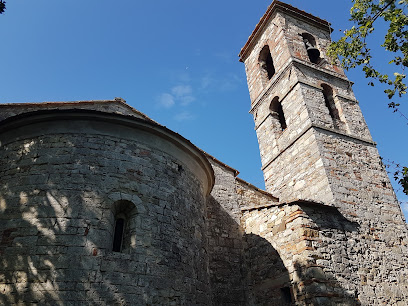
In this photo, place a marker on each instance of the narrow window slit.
(118, 235)
(123, 227)
(331, 105)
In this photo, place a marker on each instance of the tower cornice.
(294, 62)
(321, 128)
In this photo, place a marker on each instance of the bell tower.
(316, 147)
(306, 117)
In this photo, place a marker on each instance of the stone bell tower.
(315, 145)
(307, 119)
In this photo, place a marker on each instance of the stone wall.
(300, 274)
(373, 261)
(233, 253)
(59, 194)
(225, 244)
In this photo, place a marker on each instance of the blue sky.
(175, 60)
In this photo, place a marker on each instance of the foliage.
(354, 50)
(402, 178)
(400, 174)
(2, 6)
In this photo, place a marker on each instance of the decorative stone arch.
(266, 65)
(276, 111)
(311, 47)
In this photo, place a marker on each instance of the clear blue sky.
(176, 61)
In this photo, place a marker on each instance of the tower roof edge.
(275, 6)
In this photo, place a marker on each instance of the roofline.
(257, 189)
(183, 143)
(236, 172)
(209, 156)
(64, 103)
(276, 5)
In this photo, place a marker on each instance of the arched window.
(331, 106)
(122, 212)
(118, 234)
(310, 44)
(266, 63)
(329, 101)
(277, 112)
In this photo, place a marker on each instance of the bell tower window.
(312, 51)
(277, 112)
(330, 104)
(266, 63)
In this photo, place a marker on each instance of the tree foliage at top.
(2, 6)
(401, 176)
(354, 50)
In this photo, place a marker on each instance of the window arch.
(277, 112)
(122, 212)
(312, 51)
(329, 101)
(330, 104)
(266, 63)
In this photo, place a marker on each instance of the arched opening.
(331, 105)
(277, 112)
(312, 51)
(266, 63)
(122, 212)
(329, 101)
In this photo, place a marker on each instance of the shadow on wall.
(268, 278)
(47, 245)
(258, 269)
(48, 258)
(329, 218)
(225, 249)
(59, 197)
(56, 232)
(318, 283)
(245, 269)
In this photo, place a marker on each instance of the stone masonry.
(100, 205)
(351, 246)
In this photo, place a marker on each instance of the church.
(101, 205)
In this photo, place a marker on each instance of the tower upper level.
(298, 98)
(283, 36)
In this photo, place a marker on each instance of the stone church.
(100, 205)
